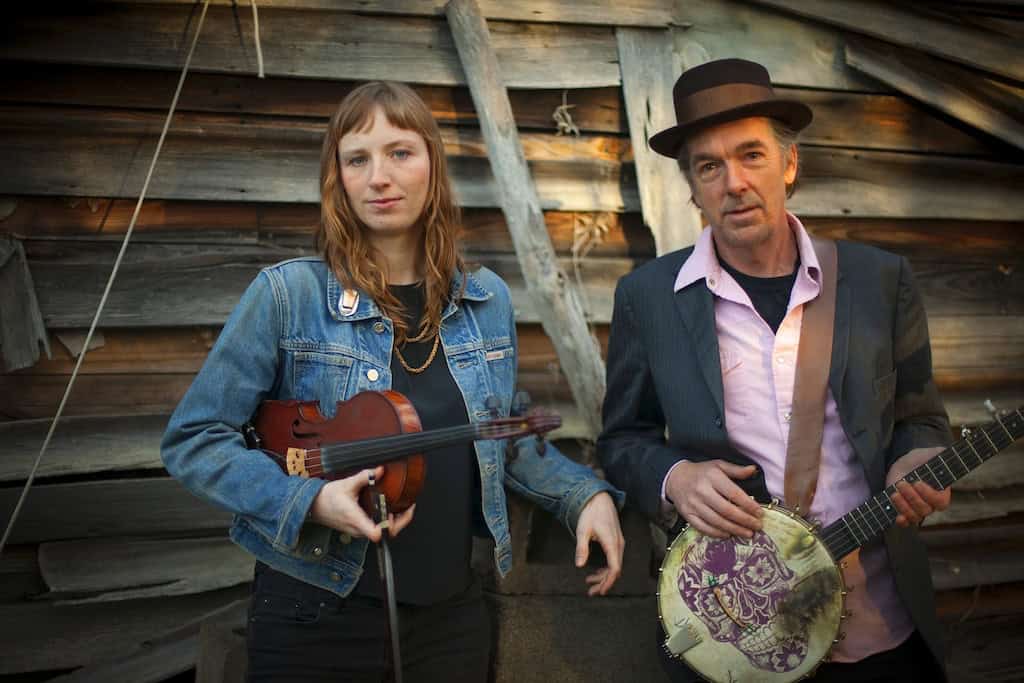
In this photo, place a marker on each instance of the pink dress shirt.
(758, 369)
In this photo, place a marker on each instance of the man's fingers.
(698, 523)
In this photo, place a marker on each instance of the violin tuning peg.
(493, 405)
(520, 403)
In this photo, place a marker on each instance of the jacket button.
(718, 421)
(378, 327)
(318, 551)
(335, 576)
(372, 374)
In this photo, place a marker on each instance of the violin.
(374, 428)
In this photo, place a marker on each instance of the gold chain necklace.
(430, 358)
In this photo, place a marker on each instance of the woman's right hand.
(337, 506)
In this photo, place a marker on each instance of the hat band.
(720, 98)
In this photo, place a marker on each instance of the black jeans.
(298, 632)
(909, 662)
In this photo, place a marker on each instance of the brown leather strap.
(810, 389)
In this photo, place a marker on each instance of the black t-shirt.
(769, 295)
(431, 557)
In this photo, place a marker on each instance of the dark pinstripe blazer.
(664, 400)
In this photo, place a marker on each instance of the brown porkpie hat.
(725, 90)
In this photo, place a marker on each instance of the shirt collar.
(703, 261)
(366, 308)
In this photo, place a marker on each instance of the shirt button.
(788, 417)
(711, 282)
(372, 374)
(780, 360)
(378, 327)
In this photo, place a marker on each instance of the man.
(702, 362)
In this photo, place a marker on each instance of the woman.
(387, 304)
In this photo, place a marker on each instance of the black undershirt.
(769, 295)
(431, 557)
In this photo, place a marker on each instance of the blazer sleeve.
(918, 414)
(632, 446)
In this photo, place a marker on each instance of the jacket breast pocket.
(322, 376)
(500, 361)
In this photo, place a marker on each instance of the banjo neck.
(872, 517)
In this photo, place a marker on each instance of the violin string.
(106, 291)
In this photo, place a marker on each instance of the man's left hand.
(916, 501)
(599, 521)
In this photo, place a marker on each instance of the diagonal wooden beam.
(941, 87)
(646, 61)
(553, 294)
(887, 21)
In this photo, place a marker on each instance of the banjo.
(769, 608)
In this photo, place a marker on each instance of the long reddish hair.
(341, 237)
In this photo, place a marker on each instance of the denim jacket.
(288, 339)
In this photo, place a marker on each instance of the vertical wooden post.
(647, 64)
(21, 322)
(556, 299)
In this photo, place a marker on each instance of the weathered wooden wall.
(83, 91)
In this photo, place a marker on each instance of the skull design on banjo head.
(761, 609)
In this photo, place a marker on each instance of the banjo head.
(765, 609)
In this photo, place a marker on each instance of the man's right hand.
(709, 500)
(337, 506)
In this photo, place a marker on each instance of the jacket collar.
(365, 307)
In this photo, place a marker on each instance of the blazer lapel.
(697, 310)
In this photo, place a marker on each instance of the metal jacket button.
(378, 327)
(372, 374)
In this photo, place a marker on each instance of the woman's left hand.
(599, 522)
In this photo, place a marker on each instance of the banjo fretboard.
(872, 517)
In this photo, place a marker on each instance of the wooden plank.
(106, 570)
(149, 389)
(201, 283)
(51, 637)
(960, 568)
(969, 506)
(19, 574)
(160, 658)
(485, 230)
(228, 163)
(82, 445)
(122, 507)
(310, 44)
(955, 42)
(846, 119)
(938, 87)
(986, 650)
(645, 58)
(835, 182)
(600, 12)
(558, 303)
(795, 52)
(22, 331)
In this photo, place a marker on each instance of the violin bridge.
(295, 460)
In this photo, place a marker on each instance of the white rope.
(256, 32)
(110, 283)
